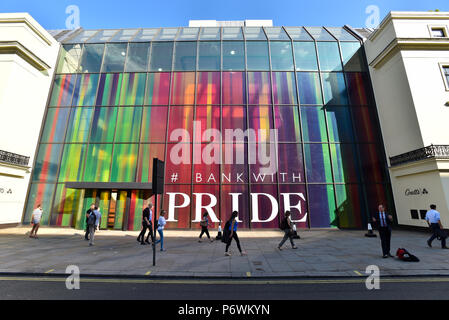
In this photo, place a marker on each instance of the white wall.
(24, 90)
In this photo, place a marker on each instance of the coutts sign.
(416, 192)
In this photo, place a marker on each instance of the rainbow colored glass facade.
(114, 103)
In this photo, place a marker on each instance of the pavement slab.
(327, 253)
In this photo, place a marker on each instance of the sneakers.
(385, 256)
(243, 253)
(294, 247)
(429, 243)
(280, 249)
(227, 254)
(200, 240)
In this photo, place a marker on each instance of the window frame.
(439, 27)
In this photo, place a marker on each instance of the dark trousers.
(146, 227)
(236, 238)
(204, 230)
(288, 234)
(437, 232)
(86, 235)
(385, 238)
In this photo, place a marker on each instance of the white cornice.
(399, 44)
(24, 20)
(15, 47)
(408, 15)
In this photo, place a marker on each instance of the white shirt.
(433, 216)
(37, 215)
(161, 223)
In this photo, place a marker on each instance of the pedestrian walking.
(160, 229)
(231, 233)
(287, 227)
(384, 222)
(434, 222)
(147, 217)
(88, 212)
(93, 222)
(205, 227)
(36, 217)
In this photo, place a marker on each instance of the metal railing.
(13, 158)
(432, 151)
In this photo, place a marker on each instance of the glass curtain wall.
(113, 107)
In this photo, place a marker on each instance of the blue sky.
(95, 14)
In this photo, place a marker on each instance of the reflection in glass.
(233, 55)
(257, 55)
(185, 56)
(69, 58)
(209, 55)
(281, 55)
(305, 56)
(329, 56)
(161, 56)
(114, 57)
(137, 59)
(92, 57)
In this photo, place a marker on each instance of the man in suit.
(384, 222)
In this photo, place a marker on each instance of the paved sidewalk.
(320, 253)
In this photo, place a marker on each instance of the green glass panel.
(85, 90)
(47, 161)
(69, 58)
(329, 56)
(128, 124)
(103, 205)
(103, 124)
(98, 163)
(89, 198)
(313, 124)
(72, 162)
(79, 124)
(305, 56)
(55, 125)
(67, 206)
(120, 210)
(62, 90)
(133, 89)
(40, 193)
(124, 163)
(109, 89)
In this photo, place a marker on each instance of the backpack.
(226, 232)
(91, 219)
(404, 255)
(284, 225)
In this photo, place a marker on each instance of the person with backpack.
(93, 221)
(231, 233)
(286, 226)
(434, 222)
(147, 216)
(161, 222)
(88, 212)
(204, 227)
